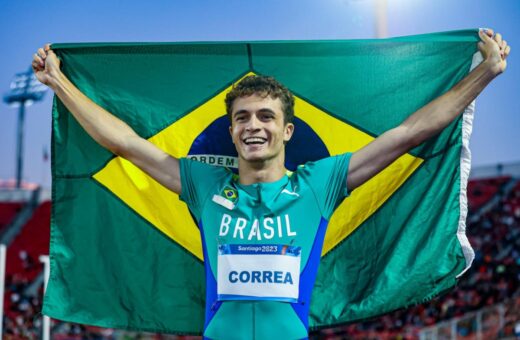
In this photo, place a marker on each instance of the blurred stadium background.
(486, 302)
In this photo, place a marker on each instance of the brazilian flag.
(126, 253)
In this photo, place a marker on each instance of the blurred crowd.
(22, 305)
(493, 278)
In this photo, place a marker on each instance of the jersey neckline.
(265, 187)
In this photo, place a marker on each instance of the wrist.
(492, 66)
(56, 80)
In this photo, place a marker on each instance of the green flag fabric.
(126, 253)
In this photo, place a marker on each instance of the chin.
(255, 157)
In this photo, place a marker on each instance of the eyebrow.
(262, 110)
(266, 110)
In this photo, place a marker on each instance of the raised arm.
(432, 118)
(106, 129)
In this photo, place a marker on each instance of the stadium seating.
(482, 190)
(8, 211)
(33, 241)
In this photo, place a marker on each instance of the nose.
(253, 124)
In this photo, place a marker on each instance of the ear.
(288, 132)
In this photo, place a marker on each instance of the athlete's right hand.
(46, 65)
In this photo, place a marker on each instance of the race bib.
(258, 272)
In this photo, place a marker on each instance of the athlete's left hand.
(494, 49)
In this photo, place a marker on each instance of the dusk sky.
(27, 25)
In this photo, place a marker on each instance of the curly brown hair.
(263, 86)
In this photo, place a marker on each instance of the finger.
(506, 51)
(498, 39)
(503, 46)
(489, 32)
(37, 67)
(42, 53)
(481, 46)
(37, 59)
(47, 47)
(484, 35)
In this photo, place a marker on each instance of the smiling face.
(258, 129)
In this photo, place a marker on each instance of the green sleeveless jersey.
(262, 244)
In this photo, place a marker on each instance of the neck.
(261, 172)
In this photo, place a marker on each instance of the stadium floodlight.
(25, 90)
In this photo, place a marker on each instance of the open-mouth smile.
(254, 140)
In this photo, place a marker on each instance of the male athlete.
(262, 231)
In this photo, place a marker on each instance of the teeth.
(254, 140)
